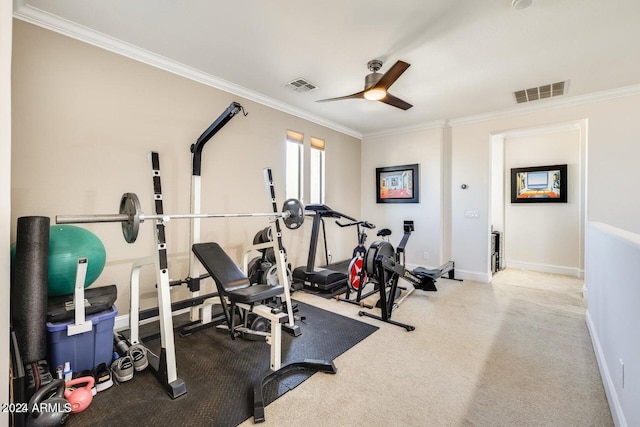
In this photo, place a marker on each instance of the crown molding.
(516, 111)
(549, 105)
(54, 23)
(436, 124)
(65, 27)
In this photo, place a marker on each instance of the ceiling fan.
(376, 85)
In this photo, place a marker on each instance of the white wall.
(613, 149)
(545, 236)
(85, 119)
(445, 189)
(613, 294)
(498, 181)
(425, 148)
(190, 107)
(470, 242)
(79, 111)
(6, 10)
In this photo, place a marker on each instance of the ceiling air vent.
(541, 92)
(301, 85)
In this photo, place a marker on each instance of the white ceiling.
(467, 57)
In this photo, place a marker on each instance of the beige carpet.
(515, 352)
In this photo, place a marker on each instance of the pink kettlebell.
(80, 397)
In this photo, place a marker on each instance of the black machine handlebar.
(325, 211)
(365, 224)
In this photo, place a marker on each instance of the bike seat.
(383, 232)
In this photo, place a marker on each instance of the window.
(316, 173)
(295, 187)
(294, 165)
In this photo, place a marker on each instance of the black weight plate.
(295, 216)
(130, 206)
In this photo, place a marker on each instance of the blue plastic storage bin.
(86, 350)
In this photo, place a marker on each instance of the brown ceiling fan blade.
(359, 95)
(392, 75)
(396, 102)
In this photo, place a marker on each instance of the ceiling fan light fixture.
(375, 94)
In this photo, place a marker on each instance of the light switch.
(471, 214)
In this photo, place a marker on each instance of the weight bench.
(233, 285)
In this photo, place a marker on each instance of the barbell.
(131, 216)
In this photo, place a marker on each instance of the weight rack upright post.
(164, 364)
(281, 263)
(195, 270)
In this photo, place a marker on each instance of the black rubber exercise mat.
(219, 374)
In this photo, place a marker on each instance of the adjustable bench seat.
(231, 281)
(255, 293)
(233, 284)
(228, 275)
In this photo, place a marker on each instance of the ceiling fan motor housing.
(371, 80)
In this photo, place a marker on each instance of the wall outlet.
(425, 256)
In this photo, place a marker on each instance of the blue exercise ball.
(67, 243)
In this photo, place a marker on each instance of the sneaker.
(122, 369)
(102, 374)
(138, 354)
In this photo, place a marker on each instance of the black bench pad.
(255, 293)
(231, 281)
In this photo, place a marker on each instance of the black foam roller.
(29, 287)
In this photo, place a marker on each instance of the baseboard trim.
(546, 268)
(122, 322)
(612, 396)
(473, 275)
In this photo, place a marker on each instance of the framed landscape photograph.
(398, 184)
(539, 184)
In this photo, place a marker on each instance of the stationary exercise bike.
(356, 274)
(385, 266)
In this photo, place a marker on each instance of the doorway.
(546, 237)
